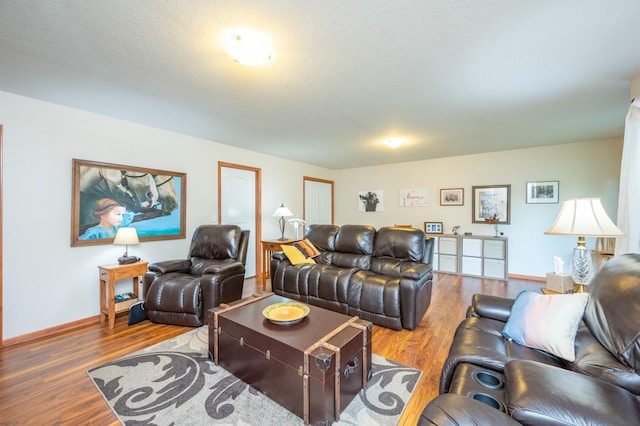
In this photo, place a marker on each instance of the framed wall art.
(491, 203)
(371, 201)
(107, 196)
(416, 197)
(452, 197)
(543, 192)
(433, 227)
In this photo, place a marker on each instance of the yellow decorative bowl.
(286, 312)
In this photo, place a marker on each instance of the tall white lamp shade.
(583, 217)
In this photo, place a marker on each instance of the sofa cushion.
(400, 243)
(540, 394)
(546, 322)
(295, 255)
(354, 246)
(356, 239)
(323, 237)
(375, 298)
(612, 311)
(175, 300)
(215, 242)
(399, 268)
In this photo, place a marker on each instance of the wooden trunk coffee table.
(312, 366)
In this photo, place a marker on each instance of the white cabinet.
(495, 258)
(445, 254)
(474, 255)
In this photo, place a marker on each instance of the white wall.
(635, 87)
(587, 169)
(46, 281)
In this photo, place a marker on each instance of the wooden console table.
(268, 248)
(109, 274)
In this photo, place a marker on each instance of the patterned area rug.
(175, 383)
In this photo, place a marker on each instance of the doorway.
(1, 239)
(239, 201)
(317, 201)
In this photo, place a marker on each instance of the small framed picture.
(452, 197)
(546, 192)
(433, 227)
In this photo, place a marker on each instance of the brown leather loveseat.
(382, 276)
(601, 386)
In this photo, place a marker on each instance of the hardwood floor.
(44, 381)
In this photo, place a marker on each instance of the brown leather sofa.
(382, 276)
(182, 291)
(532, 387)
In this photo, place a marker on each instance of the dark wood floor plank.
(44, 381)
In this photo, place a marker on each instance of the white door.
(318, 201)
(238, 206)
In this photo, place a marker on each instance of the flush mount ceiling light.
(249, 47)
(394, 142)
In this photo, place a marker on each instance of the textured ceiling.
(453, 77)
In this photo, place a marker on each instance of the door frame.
(1, 239)
(258, 204)
(304, 194)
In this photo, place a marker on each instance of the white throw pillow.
(547, 322)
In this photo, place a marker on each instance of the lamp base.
(579, 288)
(581, 267)
(125, 260)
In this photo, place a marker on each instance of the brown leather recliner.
(182, 291)
(532, 387)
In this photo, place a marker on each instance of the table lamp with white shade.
(126, 236)
(283, 212)
(583, 217)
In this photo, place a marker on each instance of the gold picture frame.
(108, 196)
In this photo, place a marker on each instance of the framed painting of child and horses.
(107, 196)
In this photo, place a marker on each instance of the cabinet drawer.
(448, 246)
(472, 266)
(494, 249)
(494, 268)
(271, 246)
(448, 263)
(471, 247)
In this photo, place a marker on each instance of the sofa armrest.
(493, 307)
(453, 410)
(177, 265)
(278, 255)
(417, 271)
(538, 393)
(224, 268)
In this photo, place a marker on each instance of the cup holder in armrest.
(488, 379)
(488, 399)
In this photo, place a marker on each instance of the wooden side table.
(268, 248)
(109, 274)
